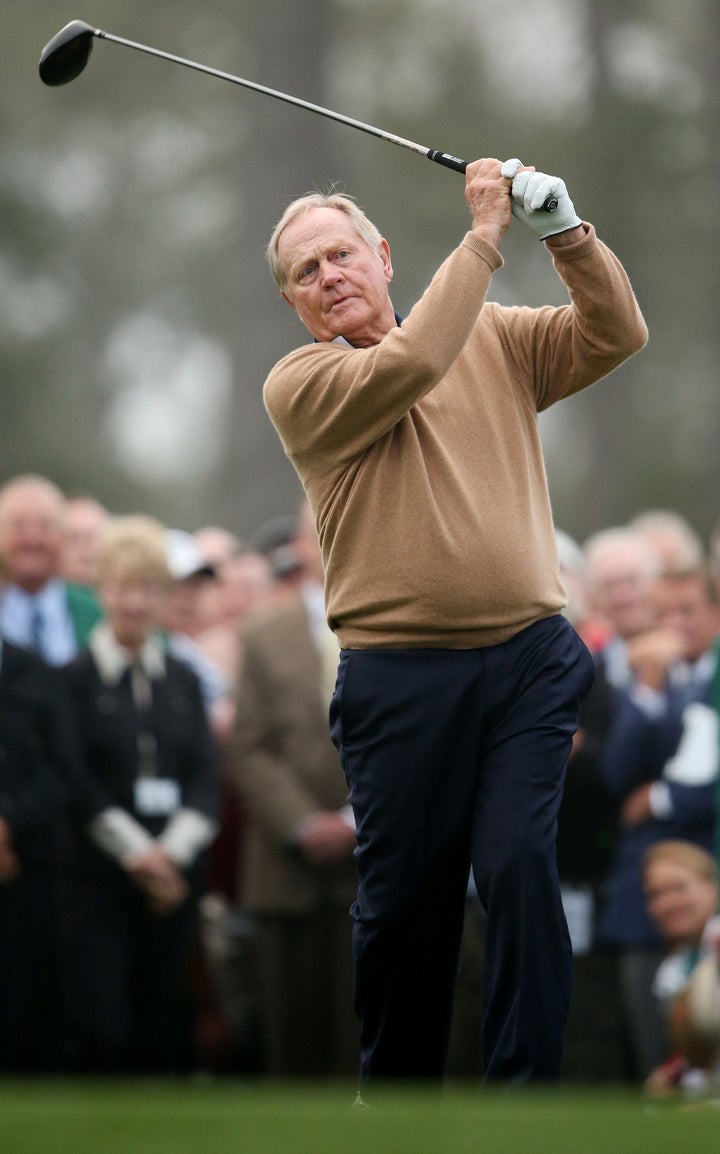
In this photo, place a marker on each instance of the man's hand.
(155, 873)
(9, 862)
(326, 838)
(578, 742)
(663, 1081)
(529, 192)
(636, 807)
(486, 193)
(711, 937)
(651, 654)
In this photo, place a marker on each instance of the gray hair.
(623, 539)
(23, 483)
(362, 225)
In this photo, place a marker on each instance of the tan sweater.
(421, 456)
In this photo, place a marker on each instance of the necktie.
(141, 690)
(37, 632)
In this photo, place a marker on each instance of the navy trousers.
(456, 759)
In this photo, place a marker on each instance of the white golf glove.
(529, 192)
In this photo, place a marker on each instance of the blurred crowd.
(175, 846)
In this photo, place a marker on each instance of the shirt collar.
(112, 659)
(51, 596)
(617, 666)
(700, 672)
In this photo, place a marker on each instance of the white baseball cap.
(184, 557)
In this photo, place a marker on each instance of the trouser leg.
(648, 1036)
(409, 760)
(534, 685)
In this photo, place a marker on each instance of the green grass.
(229, 1117)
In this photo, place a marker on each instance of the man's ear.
(384, 254)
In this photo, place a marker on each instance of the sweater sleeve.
(577, 344)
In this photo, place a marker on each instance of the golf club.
(65, 56)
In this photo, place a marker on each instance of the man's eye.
(305, 272)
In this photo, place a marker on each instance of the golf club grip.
(459, 165)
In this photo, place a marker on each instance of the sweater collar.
(346, 344)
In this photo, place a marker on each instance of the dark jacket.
(636, 752)
(35, 752)
(108, 723)
(587, 824)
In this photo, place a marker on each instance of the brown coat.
(285, 764)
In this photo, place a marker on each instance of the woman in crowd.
(683, 893)
(143, 798)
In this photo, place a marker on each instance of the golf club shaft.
(65, 56)
(443, 158)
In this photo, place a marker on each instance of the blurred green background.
(139, 320)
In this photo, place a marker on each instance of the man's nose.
(330, 273)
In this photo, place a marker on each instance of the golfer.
(459, 680)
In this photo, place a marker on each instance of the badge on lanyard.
(156, 796)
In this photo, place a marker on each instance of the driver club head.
(65, 56)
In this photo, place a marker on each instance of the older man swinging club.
(459, 679)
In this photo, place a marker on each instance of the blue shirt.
(56, 638)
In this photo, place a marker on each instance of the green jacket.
(85, 611)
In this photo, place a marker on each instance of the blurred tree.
(139, 320)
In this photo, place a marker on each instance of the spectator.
(595, 1045)
(275, 541)
(244, 583)
(682, 891)
(660, 762)
(217, 547)
(144, 799)
(297, 873)
(619, 577)
(34, 752)
(216, 544)
(84, 519)
(243, 580)
(621, 573)
(181, 618)
(39, 610)
(573, 572)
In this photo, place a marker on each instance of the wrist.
(490, 233)
(568, 237)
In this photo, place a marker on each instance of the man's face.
(621, 587)
(683, 604)
(181, 610)
(31, 536)
(132, 605)
(337, 285)
(679, 900)
(83, 524)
